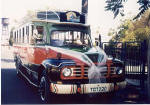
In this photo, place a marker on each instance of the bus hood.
(92, 56)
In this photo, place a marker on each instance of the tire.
(17, 68)
(44, 89)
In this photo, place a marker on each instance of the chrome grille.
(86, 71)
(113, 70)
(77, 71)
(104, 73)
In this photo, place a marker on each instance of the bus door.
(36, 52)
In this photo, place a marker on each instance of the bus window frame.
(44, 38)
(88, 34)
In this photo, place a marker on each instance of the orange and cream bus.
(57, 56)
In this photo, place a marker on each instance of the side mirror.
(96, 43)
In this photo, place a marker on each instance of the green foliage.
(29, 16)
(116, 6)
(144, 5)
(11, 36)
(142, 34)
(130, 30)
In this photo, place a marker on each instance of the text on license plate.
(98, 89)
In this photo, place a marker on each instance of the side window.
(38, 36)
(19, 35)
(15, 38)
(26, 32)
(40, 29)
(32, 28)
(23, 35)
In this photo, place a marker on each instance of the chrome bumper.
(86, 88)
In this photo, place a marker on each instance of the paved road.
(15, 90)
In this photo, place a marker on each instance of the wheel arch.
(53, 66)
(41, 69)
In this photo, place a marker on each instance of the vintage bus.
(57, 56)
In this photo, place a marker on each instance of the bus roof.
(58, 22)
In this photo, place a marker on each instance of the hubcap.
(17, 71)
(17, 67)
(42, 88)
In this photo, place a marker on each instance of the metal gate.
(132, 53)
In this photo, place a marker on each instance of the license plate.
(98, 89)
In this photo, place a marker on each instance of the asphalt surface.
(16, 90)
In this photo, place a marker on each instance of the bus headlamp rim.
(119, 71)
(66, 72)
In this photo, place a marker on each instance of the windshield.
(70, 39)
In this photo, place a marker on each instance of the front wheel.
(44, 88)
(17, 68)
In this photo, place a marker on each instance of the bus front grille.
(82, 71)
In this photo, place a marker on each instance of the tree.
(11, 37)
(137, 30)
(116, 6)
(29, 16)
(130, 30)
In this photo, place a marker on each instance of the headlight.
(119, 70)
(66, 72)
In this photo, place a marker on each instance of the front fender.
(118, 62)
(53, 67)
(57, 63)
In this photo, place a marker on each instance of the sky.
(98, 18)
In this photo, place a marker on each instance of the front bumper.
(86, 88)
